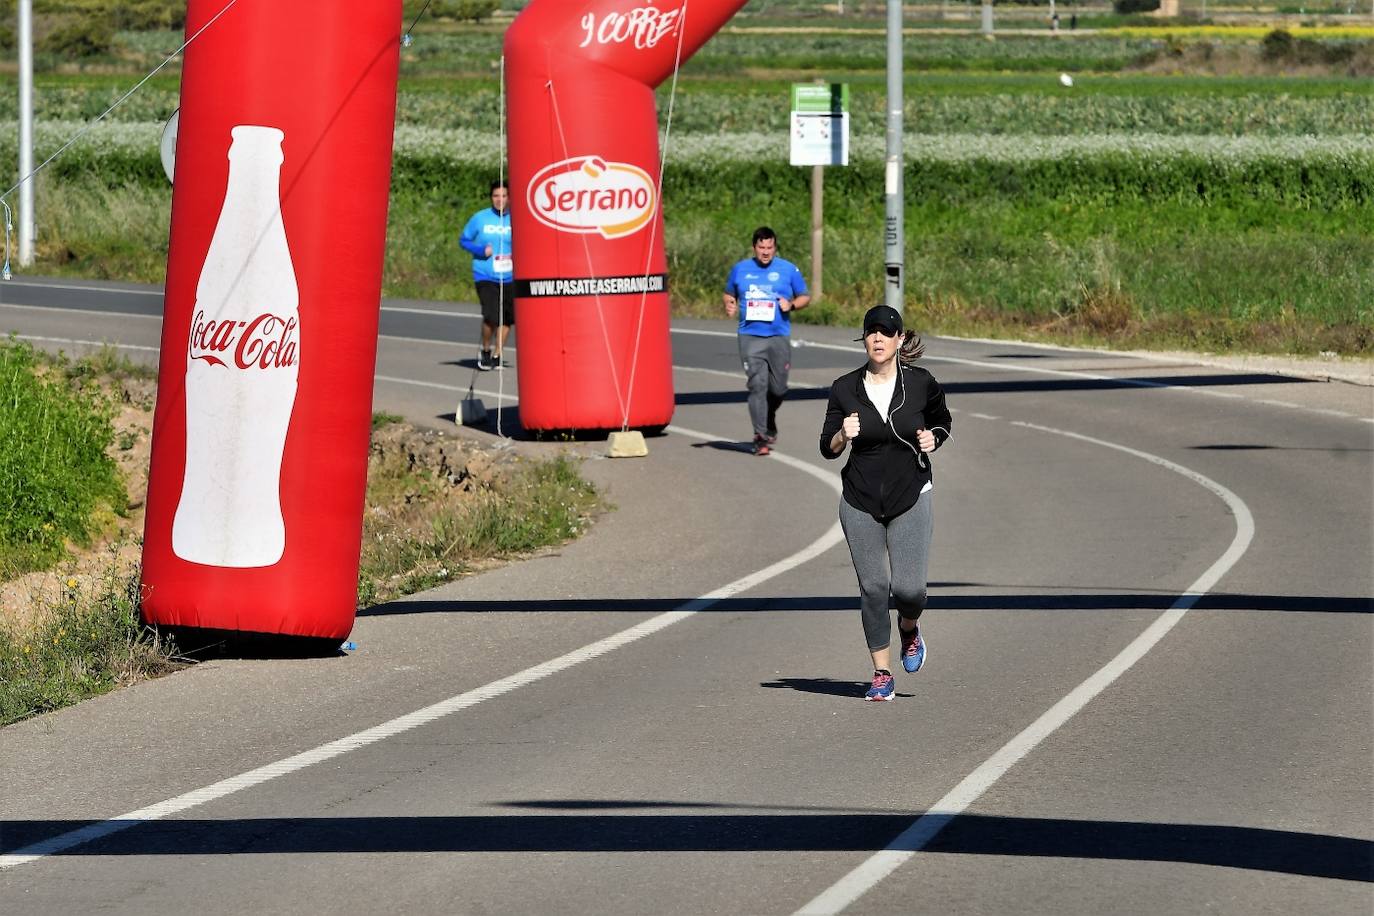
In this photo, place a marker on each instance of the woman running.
(893, 413)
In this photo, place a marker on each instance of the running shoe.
(882, 688)
(761, 446)
(496, 361)
(484, 360)
(913, 650)
(771, 437)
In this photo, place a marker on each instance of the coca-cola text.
(266, 342)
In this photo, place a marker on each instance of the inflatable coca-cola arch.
(283, 159)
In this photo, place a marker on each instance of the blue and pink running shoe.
(882, 688)
(913, 650)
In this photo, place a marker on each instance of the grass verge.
(86, 642)
(437, 508)
(58, 484)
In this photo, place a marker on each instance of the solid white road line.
(737, 375)
(449, 313)
(84, 289)
(442, 387)
(912, 840)
(87, 343)
(447, 707)
(58, 308)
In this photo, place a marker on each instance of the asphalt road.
(1150, 686)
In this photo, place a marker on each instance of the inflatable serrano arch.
(278, 229)
(587, 223)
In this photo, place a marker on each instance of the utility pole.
(25, 37)
(817, 228)
(893, 230)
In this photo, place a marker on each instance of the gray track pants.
(889, 558)
(767, 361)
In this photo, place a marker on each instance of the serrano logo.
(588, 194)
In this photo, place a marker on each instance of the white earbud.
(921, 461)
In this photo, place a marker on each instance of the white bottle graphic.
(241, 369)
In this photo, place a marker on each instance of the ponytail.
(911, 349)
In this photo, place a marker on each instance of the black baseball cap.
(883, 317)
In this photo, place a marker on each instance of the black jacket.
(884, 474)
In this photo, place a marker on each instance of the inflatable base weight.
(626, 444)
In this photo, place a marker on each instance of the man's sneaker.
(484, 360)
(882, 687)
(771, 437)
(761, 446)
(913, 650)
(496, 361)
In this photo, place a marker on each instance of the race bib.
(502, 264)
(760, 309)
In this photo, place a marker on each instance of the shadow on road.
(1003, 386)
(507, 425)
(617, 605)
(998, 602)
(1276, 448)
(1253, 848)
(1022, 386)
(824, 686)
(684, 398)
(1144, 381)
(726, 446)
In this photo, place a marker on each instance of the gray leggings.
(767, 361)
(889, 558)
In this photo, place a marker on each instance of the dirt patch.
(413, 475)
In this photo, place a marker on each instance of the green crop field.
(1194, 186)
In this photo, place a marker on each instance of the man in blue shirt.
(487, 238)
(764, 291)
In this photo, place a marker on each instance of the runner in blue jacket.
(763, 291)
(487, 238)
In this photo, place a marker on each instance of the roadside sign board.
(820, 124)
